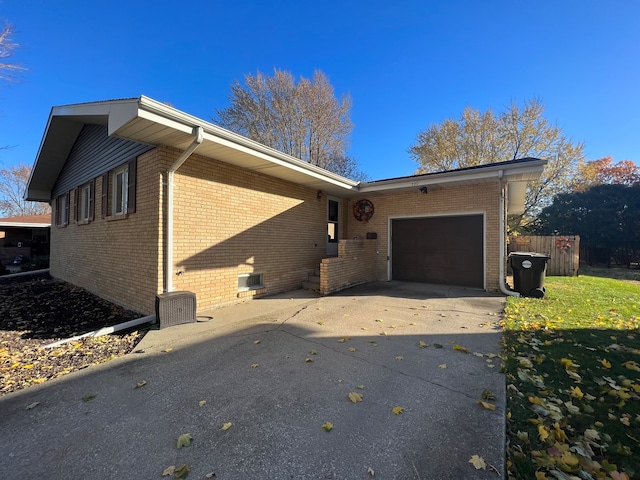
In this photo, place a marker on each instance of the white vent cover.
(175, 308)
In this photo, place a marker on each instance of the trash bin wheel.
(537, 292)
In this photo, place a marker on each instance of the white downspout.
(199, 135)
(503, 215)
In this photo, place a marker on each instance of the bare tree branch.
(479, 138)
(7, 49)
(13, 182)
(302, 119)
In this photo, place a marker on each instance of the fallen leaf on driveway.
(32, 405)
(202, 403)
(256, 342)
(327, 426)
(422, 344)
(399, 357)
(182, 471)
(226, 426)
(397, 410)
(308, 360)
(487, 405)
(344, 339)
(184, 440)
(352, 349)
(371, 472)
(169, 470)
(442, 365)
(141, 384)
(478, 462)
(355, 397)
(460, 348)
(255, 365)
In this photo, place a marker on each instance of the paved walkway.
(277, 369)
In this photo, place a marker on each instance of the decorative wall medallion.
(363, 210)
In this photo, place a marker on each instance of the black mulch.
(38, 310)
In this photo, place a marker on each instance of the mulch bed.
(38, 310)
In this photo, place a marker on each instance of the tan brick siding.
(230, 221)
(351, 267)
(116, 258)
(462, 199)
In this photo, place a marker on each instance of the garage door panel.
(446, 250)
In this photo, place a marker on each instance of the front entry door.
(333, 221)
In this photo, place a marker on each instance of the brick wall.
(230, 221)
(116, 257)
(462, 199)
(351, 267)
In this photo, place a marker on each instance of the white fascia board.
(290, 163)
(122, 113)
(443, 179)
(24, 225)
(180, 121)
(32, 195)
(532, 169)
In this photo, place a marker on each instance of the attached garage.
(446, 250)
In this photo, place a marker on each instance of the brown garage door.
(444, 250)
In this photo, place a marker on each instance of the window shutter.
(66, 207)
(92, 196)
(56, 213)
(76, 203)
(105, 195)
(131, 187)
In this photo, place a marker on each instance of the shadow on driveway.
(278, 369)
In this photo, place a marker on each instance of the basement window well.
(250, 281)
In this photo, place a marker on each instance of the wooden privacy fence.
(564, 251)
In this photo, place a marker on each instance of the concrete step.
(311, 285)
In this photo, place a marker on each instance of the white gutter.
(503, 214)
(199, 136)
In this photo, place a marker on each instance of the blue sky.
(406, 64)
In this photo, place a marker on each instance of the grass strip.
(572, 364)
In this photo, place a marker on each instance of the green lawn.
(572, 362)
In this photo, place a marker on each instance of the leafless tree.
(13, 182)
(479, 138)
(302, 119)
(7, 49)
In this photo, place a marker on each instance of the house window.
(119, 190)
(62, 210)
(85, 202)
(119, 194)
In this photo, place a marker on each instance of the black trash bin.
(528, 273)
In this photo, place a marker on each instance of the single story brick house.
(147, 199)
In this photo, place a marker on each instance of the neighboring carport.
(446, 250)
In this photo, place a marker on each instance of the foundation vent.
(250, 281)
(175, 308)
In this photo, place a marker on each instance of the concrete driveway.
(277, 369)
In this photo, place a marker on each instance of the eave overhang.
(521, 170)
(150, 122)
